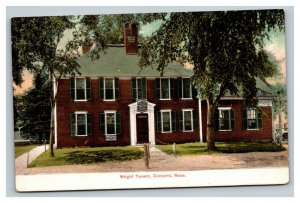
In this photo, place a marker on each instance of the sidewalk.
(160, 161)
(21, 161)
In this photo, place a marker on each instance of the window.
(109, 89)
(80, 89)
(186, 90)
(165, 121)
(81, 124)
(138, 88)
(164, 88)
(225, 119)
(187, 120)
(110, 125)
(252, 119)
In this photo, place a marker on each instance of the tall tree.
(35, 46)
(36, 40)
(225, 48)
(35, 101)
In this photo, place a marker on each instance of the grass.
(19, 150)
(197, 148)
(87, 155)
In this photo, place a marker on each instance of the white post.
(151, 124)
(132, 126)
(200, 118)
(55, 113)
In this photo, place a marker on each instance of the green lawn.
(197, 148)
(19, 150)
(87, 155)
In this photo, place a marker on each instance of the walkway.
(159, 161)
(21, 161)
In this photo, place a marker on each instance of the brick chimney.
(130, 38)
(86, 48)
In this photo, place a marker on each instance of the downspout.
(200, 118)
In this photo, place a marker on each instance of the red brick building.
(114, 103)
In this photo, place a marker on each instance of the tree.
(225, 49)
(35, 101)
(36, 40)
(35, 46)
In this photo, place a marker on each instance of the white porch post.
(132, 126)
(55, 113)
(151, 124)
(200, 118)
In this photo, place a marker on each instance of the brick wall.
(238, 133)
(94, 106)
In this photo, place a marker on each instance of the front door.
(142, 130)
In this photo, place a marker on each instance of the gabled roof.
(116, 63)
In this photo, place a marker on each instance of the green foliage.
(69, 156)
(34, 45)
(34, 110)
(226, 49)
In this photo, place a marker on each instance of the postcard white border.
(160, 179)
(266, 191)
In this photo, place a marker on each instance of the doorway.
(142, 128)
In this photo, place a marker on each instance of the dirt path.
(162, 162)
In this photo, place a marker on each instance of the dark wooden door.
(142, 129)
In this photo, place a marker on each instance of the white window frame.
(169, 87)
(115, 121)
(75, 94)
(183, 121)
(137, 87)
(252, 119)
(186, 98)
(76, 126)
(170, 122)
(225, 109)
(104, 89)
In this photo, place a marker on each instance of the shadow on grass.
(222, 147)
(248, 147)
(88, 157)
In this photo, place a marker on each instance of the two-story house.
(114, 103)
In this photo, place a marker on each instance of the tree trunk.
(51, 134)
(210, 132)
(52, 102)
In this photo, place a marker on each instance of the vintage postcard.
(150, 100)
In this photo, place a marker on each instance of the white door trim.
(132, 112)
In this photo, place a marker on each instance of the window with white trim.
(109, 89)
(165, 121)
(138, 88)
(80, 88)
(252, 119)
(165, 88)
(187, 120)
(110, 124)
(81, 124)
(225, 119)
(186, 90)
